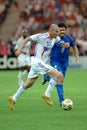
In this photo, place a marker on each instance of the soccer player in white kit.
(44, 44)
(23, 59)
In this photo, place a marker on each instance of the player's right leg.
(12, 103)
(12, 99)
(20, 91)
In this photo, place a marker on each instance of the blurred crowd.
(4, 5)
(39, 14)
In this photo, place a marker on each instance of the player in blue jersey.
(59, 60)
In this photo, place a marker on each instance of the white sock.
(20, 75)
(19, 92)
(52, 83)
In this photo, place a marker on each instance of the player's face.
(55, 32)
(62, 31)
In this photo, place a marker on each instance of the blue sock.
(60, 92)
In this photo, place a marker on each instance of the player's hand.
(65, 45)
(17, 53)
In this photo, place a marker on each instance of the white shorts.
(37, 68)
(23, 60)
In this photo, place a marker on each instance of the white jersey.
(26, 48)
(40, 62)
(44, 45)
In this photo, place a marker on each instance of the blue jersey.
(61, 54)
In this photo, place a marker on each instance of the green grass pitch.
(32, 113)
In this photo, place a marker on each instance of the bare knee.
(29, 82)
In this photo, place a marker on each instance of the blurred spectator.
(16, 5)
(2, 10)
(38, 15)
(83, 8)
(3, 48)
(10, 46)
(4, 5)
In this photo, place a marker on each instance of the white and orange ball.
(67, 104)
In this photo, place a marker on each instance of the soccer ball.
(67, 104)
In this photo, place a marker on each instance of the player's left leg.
(60, 92)
(60, 88)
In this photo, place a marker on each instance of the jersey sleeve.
(34, 37)
(72, 42)
(59, 41)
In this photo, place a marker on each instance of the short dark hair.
(62, 25)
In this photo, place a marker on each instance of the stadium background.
(36, 16)
(31, 112)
